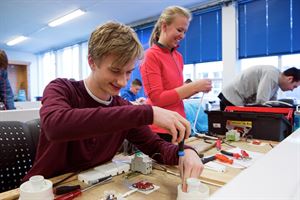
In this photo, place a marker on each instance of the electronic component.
(109, 169)
(143, 185)
(233, 135)
(91, 177)
(141, 163)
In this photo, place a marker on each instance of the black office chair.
(17, 151)
(34, 127)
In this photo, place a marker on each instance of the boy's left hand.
(190, 166)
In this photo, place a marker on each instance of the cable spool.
(36, 188)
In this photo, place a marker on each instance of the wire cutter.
(234, 155)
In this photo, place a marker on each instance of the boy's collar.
(96, 98)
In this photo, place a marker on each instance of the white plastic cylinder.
(195, 190)
(193, 184)
(36, 188)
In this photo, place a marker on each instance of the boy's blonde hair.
(119, 40)
(168, 16)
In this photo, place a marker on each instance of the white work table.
(275, 176)
(22, 115)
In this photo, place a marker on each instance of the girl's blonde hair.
(3, 60)
(119, 40)
(168, 16)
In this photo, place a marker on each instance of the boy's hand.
(173, 122)
(190, 166)
(141, 100)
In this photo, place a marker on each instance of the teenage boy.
(131, 93)
(85, 122)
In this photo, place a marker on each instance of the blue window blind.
(295, 25)
(203, 38)
(144, 34)
(192, 46)
(252, 32)
(268, 27)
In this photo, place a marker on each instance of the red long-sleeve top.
(79, 133)
(161, 72)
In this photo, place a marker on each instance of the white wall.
(33, 69)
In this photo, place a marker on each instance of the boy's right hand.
(173, 122)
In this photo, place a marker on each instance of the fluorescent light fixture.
(66, 18)
(17, 40)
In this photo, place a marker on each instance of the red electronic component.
(143, 185)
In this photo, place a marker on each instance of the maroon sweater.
(78, 132)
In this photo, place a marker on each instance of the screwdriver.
(181, 147)
(66, 189)
(76, 193)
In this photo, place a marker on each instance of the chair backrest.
(34, 127)
(17, 151)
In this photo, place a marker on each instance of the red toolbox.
(259, 122)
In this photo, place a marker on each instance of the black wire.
(71, 175)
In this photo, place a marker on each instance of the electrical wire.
(270, 103)
(198, 110)
(65, 178)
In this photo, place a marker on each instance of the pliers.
(219, 157)
(244, 155)
(234, 155)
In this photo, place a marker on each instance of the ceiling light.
(17, 40)
(66, 18)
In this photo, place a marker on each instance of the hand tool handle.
(208, 159)
(218, 144)
(65, 189)
(235, 155)
(223, 158)
(181, 147)
(69, 196)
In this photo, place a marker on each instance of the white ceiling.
(30, 18)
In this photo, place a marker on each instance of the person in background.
(85, 122)
(258, 84)
(162, 67)
(6, 92)
(131, 94)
